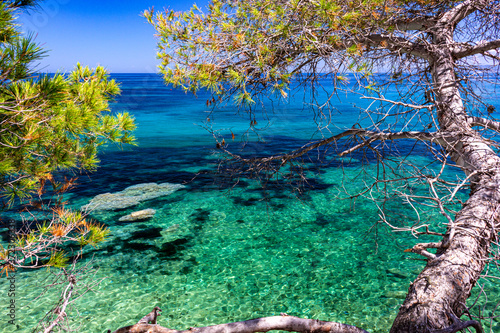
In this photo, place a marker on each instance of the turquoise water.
(223, 249)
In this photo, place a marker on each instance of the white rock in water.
(130, 196)
(139, 215)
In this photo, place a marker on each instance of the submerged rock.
(171, 234)
(217, 216)
(139, 215)
(395, 294)
(397, 273)
(172, 228)
(110, 201)
(130, 196)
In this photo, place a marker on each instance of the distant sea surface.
(225, 249)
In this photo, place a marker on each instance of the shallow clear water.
(215, 253)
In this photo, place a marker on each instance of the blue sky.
(110, 33)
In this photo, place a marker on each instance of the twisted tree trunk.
(438, 295)
(436, 299)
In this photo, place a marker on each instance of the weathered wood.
(438, 295)
(265, 324)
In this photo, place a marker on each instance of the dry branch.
(265, 324)
(486, 123)
(370, 135)
(459, 325)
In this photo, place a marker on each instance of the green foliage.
(96, 234)
(49, 123)
(58, 260)
(238, 46)
(42, 246)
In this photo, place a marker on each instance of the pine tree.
(48, 124)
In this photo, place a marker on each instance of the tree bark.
(439, 293)
(283, 323)
(436, 299)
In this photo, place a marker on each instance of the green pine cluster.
(49, 122)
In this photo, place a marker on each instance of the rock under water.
(139, 215)
(130, 196)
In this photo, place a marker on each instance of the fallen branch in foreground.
(282, 323)
(276, 323)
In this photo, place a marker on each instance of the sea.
(232, 243)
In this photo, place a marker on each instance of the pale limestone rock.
(130, 196)
(139, 215)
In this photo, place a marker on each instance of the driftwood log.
(265, 324)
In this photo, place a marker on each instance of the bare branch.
(465, 50)
(461, 11)
(65, 298)
(412, 106)
(486, 123)
(397, 44)
(371, 135)
(265, 324)
(420, 23)
(421, 249)
(459, 325)
(459, 186)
